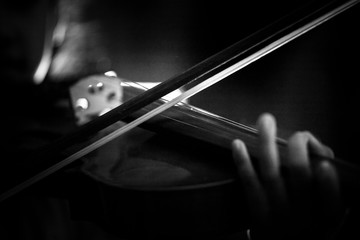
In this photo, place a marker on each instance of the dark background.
(308, 84)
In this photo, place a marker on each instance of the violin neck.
(196, 123)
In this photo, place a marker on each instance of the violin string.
(194, 109)
(185, 95)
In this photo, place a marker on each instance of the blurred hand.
(289, 198)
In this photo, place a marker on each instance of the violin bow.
(199, 77)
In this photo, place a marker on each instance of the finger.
(331, 211)
(253, 191)
(328, 189)
(298, 163)
(269, 161)
(299, 175)
(326, 174)
(317, 148)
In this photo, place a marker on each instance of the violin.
(217, 132)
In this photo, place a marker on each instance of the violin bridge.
(95, 95)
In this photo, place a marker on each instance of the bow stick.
(199, 77)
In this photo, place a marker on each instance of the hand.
(288, 198)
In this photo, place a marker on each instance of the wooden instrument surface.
(308, 84)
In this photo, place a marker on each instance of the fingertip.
(319, 148)
(326, 170)
(238, 148)
(327, 178)
(329, 152)
(328, 186)
(237, 144)
(239, 151)
(265, 115)
(266, 122)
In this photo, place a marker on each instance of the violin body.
(146, 183)
(159, 182)
(166, 186)
(292, 99)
